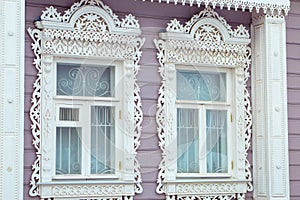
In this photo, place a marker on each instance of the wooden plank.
(293, 51)
(294, 111)
(294, 157)
(293, 81)
(150, 159)
(149, 90)
(149, 125)
(149, 73)
(149, 142)
(293, 96)
(149, 175)
(293, 66)
(149, 108)
(292, 35)
(295, 7)
(30, 157)
(294, 141)
(294, 126)
(292, 21)
(294, 187)
(294, 173)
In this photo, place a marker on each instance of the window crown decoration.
(206, 40)
(89, 29)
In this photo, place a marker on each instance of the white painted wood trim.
(269, 98)
(273, 6)
(12, 47)
(115, 40)
(179, 45)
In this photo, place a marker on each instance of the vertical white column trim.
(12, 47)
(269, 98)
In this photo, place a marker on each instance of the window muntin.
(85, 80)
(81, 109)
(202, 122)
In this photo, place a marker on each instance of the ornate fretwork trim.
(175, 26)
(51, 14)
(206, 40)
(265, 5)
(205, 197)
(92, 36)
(35, 111)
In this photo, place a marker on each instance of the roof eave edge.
(267, 6)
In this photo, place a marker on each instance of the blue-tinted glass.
(83, 80)
(201, 86)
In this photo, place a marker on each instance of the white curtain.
(216, 141)
(187, 141)
(102, 140)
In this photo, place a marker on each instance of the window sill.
(86, 189)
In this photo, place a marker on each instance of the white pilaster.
(269, 98)
(12, 22)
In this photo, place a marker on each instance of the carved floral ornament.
(205, 40)
(272, 6)
(89, 29)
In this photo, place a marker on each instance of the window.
(85, 126)
(86, 109)
(203, 109)
(203, 112)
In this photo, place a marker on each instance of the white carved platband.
(89, 29)
(273, 6)
(205, 40)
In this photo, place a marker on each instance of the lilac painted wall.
(293, 79)
(153, 18)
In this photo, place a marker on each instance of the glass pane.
(68, 150)
(83, 80)
(69, 114)
(102, 140)
(216, 141)
(187, 141)
(202, 86)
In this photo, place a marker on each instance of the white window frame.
(201, 106)
(77, 38)
(84, 104)
(185, 46)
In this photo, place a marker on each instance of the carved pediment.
(91, 22)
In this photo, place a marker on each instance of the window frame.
(202, 106)
(58, 38)
(183, 47)
(86, 102)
